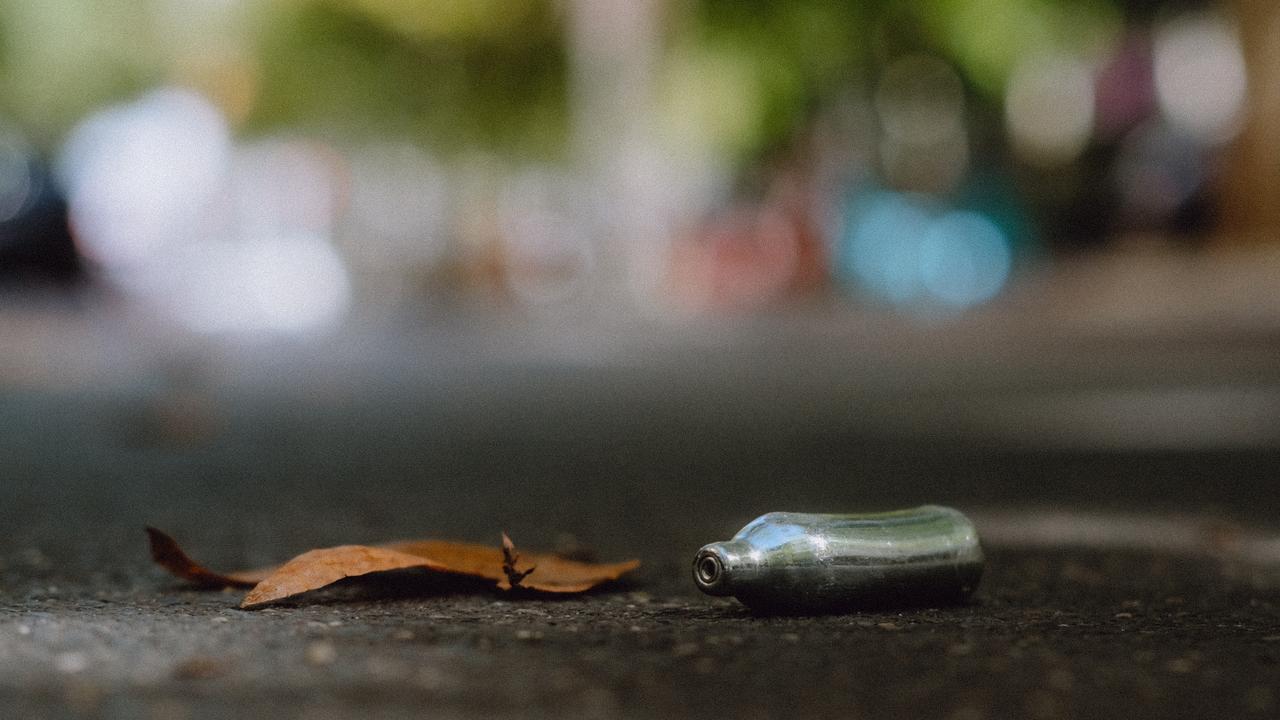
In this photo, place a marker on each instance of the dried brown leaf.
(509, 559)
(167, 554)
(317, 568)
(553, 573)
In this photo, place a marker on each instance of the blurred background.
(616, 277)
(1009, 221)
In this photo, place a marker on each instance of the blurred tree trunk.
(1250, 192)
(615, 47)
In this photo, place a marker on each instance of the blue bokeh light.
(964, 259)
(884, 243)
(903, 249)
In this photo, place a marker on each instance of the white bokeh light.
(139, 177)
(1049, 108)
(224, 239)
(1200, 76)
(297, 283)
(284, 186)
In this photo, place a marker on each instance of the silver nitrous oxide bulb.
(808, 562)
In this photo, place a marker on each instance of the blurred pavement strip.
(1184, 535)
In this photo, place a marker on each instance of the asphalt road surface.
(1126, 496)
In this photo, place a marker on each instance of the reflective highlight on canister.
(806, 562)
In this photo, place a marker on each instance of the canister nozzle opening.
(708, 572)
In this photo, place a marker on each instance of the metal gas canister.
(810, 562)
